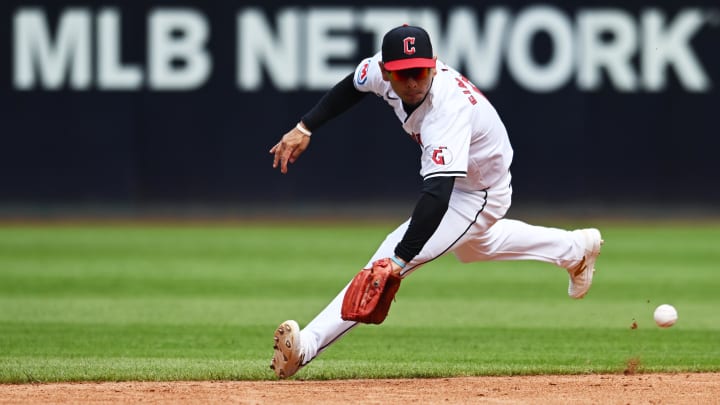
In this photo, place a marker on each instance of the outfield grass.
(139, 302)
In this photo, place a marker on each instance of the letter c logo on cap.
(408, 47)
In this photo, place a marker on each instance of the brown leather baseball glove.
(370, 294)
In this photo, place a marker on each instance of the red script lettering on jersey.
(465, 84)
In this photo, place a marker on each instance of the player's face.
(412, 85)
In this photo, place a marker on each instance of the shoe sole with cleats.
(287, 358)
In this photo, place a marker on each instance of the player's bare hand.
(289, 149)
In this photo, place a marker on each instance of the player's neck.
(409, 108)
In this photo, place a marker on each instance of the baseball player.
(465, 157)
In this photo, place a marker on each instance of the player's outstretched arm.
(290, 147)
(336, 101)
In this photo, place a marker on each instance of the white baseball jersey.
(458, 130)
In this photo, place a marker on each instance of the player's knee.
(464, 256)
(468, 254)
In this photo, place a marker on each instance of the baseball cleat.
(581, 275)
(288, 356)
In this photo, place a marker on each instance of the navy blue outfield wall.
(179, 102)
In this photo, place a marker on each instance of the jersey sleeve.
(336, 101)
(446, 144)
(368, 77)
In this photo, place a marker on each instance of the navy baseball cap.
(407, 47)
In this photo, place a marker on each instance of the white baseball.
(665, 315)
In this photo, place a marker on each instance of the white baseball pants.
(473, 229)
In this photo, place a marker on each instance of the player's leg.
(576, 251)
(506, 239)
(515, 240)
(295, 348)
(328, 326)
(465, 212)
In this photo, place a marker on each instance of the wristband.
(398, 262)
(303, 130)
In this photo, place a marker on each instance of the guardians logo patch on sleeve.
(441, 155)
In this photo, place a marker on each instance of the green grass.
(95, 303)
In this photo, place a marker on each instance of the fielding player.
(465, 157)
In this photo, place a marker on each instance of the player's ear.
(434, 70)
(384, 72)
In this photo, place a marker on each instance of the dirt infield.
(681, 388)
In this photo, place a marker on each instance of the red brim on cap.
(410, 63)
